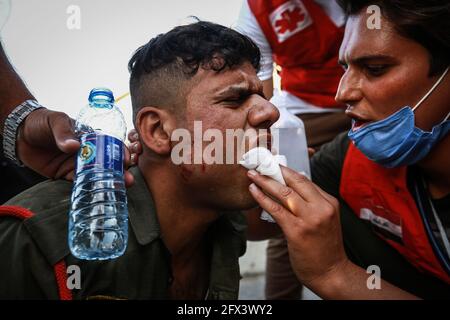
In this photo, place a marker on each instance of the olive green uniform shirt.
(30, 248)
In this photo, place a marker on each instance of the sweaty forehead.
(210, 82)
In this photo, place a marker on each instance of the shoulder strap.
(59, 268)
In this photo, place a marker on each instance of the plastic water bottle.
(289, 140)
(98, 218)
(289, 133)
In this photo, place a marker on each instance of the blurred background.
(60, 62)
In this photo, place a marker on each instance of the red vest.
(381, 196)
(305, 43)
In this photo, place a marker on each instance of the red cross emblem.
(289, 18)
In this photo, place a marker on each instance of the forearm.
(350, 282)
(12, 89)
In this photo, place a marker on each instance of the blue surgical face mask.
(396, 141)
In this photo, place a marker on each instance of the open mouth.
(358, 121)
(358, 124)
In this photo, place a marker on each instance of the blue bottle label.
(100, 152)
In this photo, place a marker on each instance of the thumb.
(63, 133)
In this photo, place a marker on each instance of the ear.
(155, 127)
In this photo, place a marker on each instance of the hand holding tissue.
(267, 164)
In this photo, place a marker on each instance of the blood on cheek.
(186, 173)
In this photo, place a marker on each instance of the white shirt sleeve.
(248, 25)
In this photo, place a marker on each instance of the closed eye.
(234, 101)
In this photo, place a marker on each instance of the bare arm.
(349, 281)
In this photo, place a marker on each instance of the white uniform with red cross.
(303, 38)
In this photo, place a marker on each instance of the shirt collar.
(142, 211)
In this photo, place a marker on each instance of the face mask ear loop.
(431, 90)
(446, 118)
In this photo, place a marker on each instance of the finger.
(284, 194)
(301, 185)
(136, 147)
(311, 152)
(129, 179)
(332, 200)
(133, 135)
(66, 165)
(70, 176)
(133, 159)
(282, 216)
(63, 133)
(127, 159)
(127, 176)
(136, 150)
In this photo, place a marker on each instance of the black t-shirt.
(442, 207)
(430, 206)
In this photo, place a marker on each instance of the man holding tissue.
(186, 233)
(375, 225)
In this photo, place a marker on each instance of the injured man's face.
(226, 114)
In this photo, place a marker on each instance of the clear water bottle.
(98, 218)
(290, 141)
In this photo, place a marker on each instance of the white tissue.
(267, 164)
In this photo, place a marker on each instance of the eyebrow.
(366, 58)
(241, 91)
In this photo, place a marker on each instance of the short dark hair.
(426, 22)
(159, 68)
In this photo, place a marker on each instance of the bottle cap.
(101, 94)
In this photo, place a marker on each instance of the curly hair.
(426, 22)
(159, 68)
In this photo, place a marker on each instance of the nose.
(262, 113)
(349, 91)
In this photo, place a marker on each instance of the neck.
(183, 224)
(437, 169)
